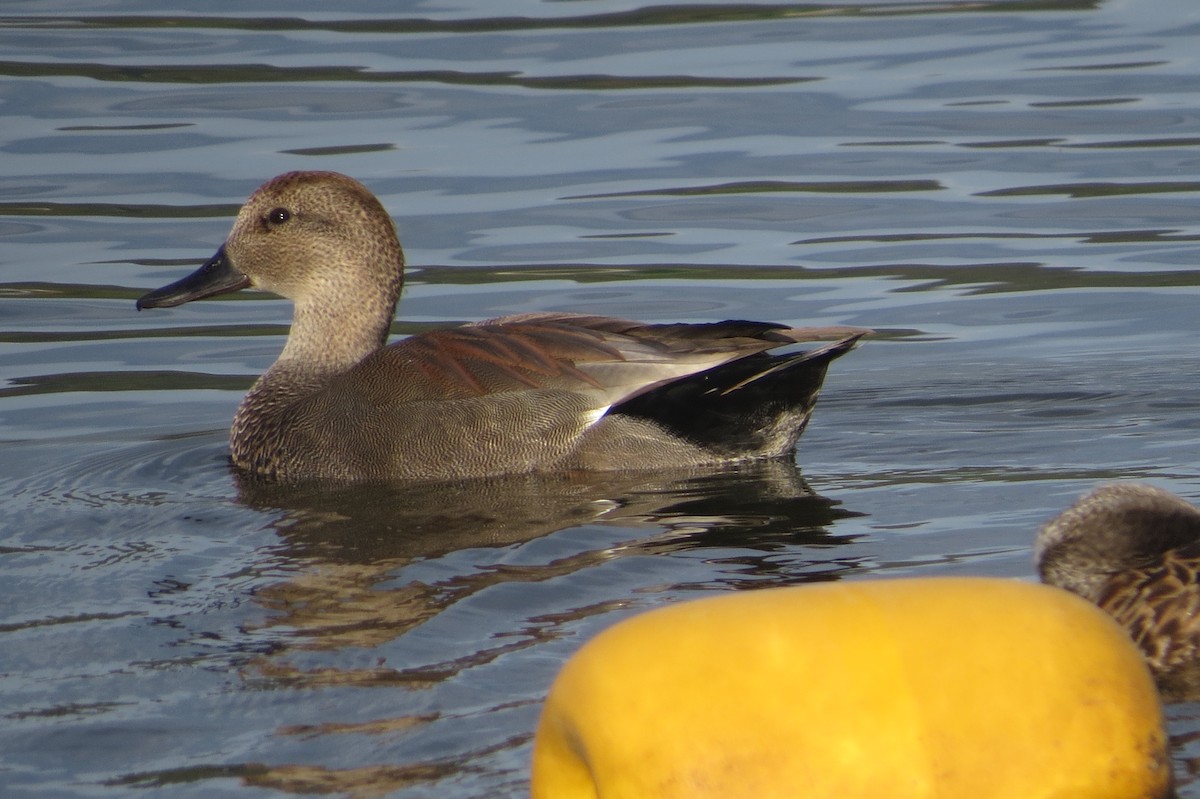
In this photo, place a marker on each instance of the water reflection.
(677, 14)
(352, 540)
(349, 547)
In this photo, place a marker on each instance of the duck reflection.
(355, 548)
(366, 521)
(348, 542)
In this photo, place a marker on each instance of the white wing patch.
(594, 415)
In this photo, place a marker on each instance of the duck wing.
(607, 359)
(1159, 606)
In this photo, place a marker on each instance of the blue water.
(1006, 192)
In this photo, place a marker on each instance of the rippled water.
(1007, 191)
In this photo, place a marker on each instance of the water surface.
(1007, 191)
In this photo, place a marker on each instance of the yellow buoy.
(935, 687)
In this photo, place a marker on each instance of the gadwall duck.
(526, 393)
(1134, 550)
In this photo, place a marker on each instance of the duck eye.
(278, 216)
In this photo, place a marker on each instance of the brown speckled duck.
(526, 393)
(1134, 550)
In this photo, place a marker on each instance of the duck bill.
(216, 276)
